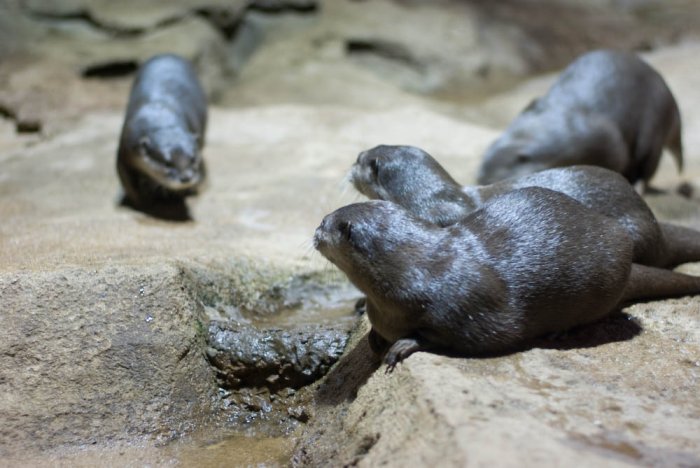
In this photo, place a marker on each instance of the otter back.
(415, 180)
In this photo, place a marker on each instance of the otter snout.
(319, 238)
(321, 235)
(189, 175)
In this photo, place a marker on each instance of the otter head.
(390, 172)
(542, 138)
(410, 177)
(171, 157)
(378, 245)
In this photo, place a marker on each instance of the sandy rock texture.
(120, 327)
(618, 393)
(93, 354)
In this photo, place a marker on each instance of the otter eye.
(345, 229)
(374, 165)
(523, 158)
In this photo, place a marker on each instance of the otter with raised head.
(415, 180)
(527, 263)
(608, 108)
(159, 155)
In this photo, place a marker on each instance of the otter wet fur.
(415, 180)
(608, 108)
(159, 155)
(528, 263)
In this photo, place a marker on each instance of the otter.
(159, 156)
(608, 108)
(529, 262)
(412, 178)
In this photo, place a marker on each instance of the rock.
(463, 49)
(285, 5)
(601, 403)
(98, 354)
(246, 211)
(127, 17)
(299, 413)
(272, 358)
(49, 90)
(115, 352)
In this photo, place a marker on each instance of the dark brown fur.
(608, 108)
(159, 155)
(415, 180)
(527, 263)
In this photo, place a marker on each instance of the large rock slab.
(97, 354)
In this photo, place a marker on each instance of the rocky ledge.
(121, 327)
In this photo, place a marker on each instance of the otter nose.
(319, 237)
(186, 175)
(321, 234)
(182, 159)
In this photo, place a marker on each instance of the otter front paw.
(400, 350)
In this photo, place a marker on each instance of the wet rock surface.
(245, 356)
(112, 319)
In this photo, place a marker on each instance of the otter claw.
(399, 351)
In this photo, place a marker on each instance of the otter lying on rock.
(412, 178)
(608, 108)
(529, 262)
(159, 149)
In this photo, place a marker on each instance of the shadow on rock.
(350, 373)
(614, 328)
(617, 327)
(170, 210)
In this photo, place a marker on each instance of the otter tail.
(675, 141)
(682, 243)
(656, 283)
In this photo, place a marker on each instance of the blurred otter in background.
(608, 108)
(159, 157)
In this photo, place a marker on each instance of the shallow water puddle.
(233, 450)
